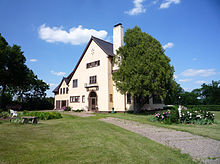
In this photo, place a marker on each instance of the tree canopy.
(15, 77)
(144, 69)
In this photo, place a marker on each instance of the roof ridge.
(101, 40)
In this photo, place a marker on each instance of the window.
(110, 98)
(83, 98)
(75, 83)
(128, 98)
(92, 80)
(60, 90)
(74, 99)
(67, 90)
(63, 90)
(93, 64)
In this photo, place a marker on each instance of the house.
(90, 86)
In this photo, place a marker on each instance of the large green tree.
(15, 76)
(144, 69)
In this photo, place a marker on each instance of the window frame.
(93, 79)
(74, 99)
(75, 83)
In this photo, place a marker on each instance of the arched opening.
(92, 100)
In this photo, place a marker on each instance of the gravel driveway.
(201, 148)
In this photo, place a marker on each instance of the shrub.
(186, 116)
(204, 107)
(4, 115)
(68, 108)
(43, 115)
(78, 110)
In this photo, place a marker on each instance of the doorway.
(92, 99)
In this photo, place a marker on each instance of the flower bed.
(186, 116)
(43, 115)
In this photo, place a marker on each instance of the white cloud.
(57, 73)
(201, 82)
(138, 8)
(33, 60)
(194, 59)
(185, 80)
(199, 72)
(175, 76)
(166, 4)
(52, 85)
(75, 35)
(168, 45)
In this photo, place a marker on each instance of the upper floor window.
(60, 90)
(93, 64)
(75, 83)
(128, 98)
(67, 90)
(92, 80)
(63, 90)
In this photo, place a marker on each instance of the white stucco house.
(90, 86)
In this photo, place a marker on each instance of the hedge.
(204, 107)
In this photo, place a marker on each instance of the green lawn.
(211, 131)
(80, 140)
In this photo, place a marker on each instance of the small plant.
(4, 115)
(68, 108)
(78, 110)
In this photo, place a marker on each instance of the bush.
(4, 115)
(204, 107)
(78, 110)
(185, 116)
(43, 115)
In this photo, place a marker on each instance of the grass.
(80, 140)
(211, 131)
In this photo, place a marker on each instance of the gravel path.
(198, 147)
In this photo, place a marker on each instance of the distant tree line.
(208, 94)
(19, 86)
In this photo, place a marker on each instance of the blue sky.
(54, 33)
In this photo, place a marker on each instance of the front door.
(63, 103)
(92, 101)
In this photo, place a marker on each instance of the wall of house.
(93, 53)
(110, 84)
(62, 96)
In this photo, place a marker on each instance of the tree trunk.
(137, 105)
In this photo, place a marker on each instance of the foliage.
(174, 93)
(43, 115)
(204, 107)
(46, 103)
(4, 115)
(144, 70)
(78, 110)
(186, 116)
(64, 108)
(17, 80)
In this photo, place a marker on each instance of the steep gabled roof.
(105, 46)
(57, 88)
